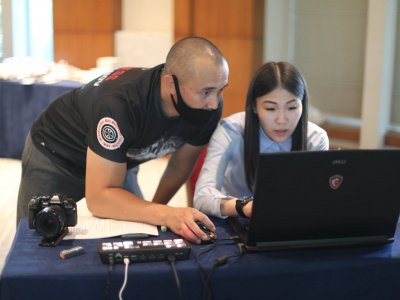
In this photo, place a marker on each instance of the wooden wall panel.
(81, 49)
(238, 52)
(206, 18)
(236, 27)
(183, 18)
(84, 30)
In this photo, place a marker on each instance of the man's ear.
(169, 84)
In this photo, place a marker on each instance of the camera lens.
(50, 221)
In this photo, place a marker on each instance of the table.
(373, 272)
(20, 105)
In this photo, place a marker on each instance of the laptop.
(323, 199)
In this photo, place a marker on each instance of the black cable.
(108, 281)
(205, 278)
(203, 274)
(220, 261)
(171, 259)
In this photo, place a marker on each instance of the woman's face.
(279, 112)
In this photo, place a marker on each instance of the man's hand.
(182, 221)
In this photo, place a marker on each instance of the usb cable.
(126, 262)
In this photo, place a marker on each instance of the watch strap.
(240, 203)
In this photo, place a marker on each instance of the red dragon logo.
(335, 181)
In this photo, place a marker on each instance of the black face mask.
(195, 116)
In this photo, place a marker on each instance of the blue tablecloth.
(33, 272)
(20, 105)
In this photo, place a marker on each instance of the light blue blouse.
(222, 174)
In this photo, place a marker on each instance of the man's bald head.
(187, 53)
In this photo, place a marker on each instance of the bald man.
(90, 141)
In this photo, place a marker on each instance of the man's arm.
(106, 198)
(180, 167)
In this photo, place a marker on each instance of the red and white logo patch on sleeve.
(108, 134)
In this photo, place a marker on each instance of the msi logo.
(335, 181)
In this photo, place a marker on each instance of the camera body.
(50, 215)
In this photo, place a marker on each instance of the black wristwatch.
(240, 203)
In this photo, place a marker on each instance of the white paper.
(90, 227)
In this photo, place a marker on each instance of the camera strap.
(54, 242)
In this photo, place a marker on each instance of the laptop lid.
(325, 198)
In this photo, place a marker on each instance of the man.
(85, 142)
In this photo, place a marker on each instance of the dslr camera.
(52, 215)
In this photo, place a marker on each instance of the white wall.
(147, 34)
(329, 49)
(326, 41)
(148, 15)
(378, 72)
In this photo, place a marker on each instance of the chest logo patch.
(108, 134)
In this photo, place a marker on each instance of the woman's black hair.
(268, 77)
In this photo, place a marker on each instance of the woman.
(275, 120)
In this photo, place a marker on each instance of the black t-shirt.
(117, 115)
